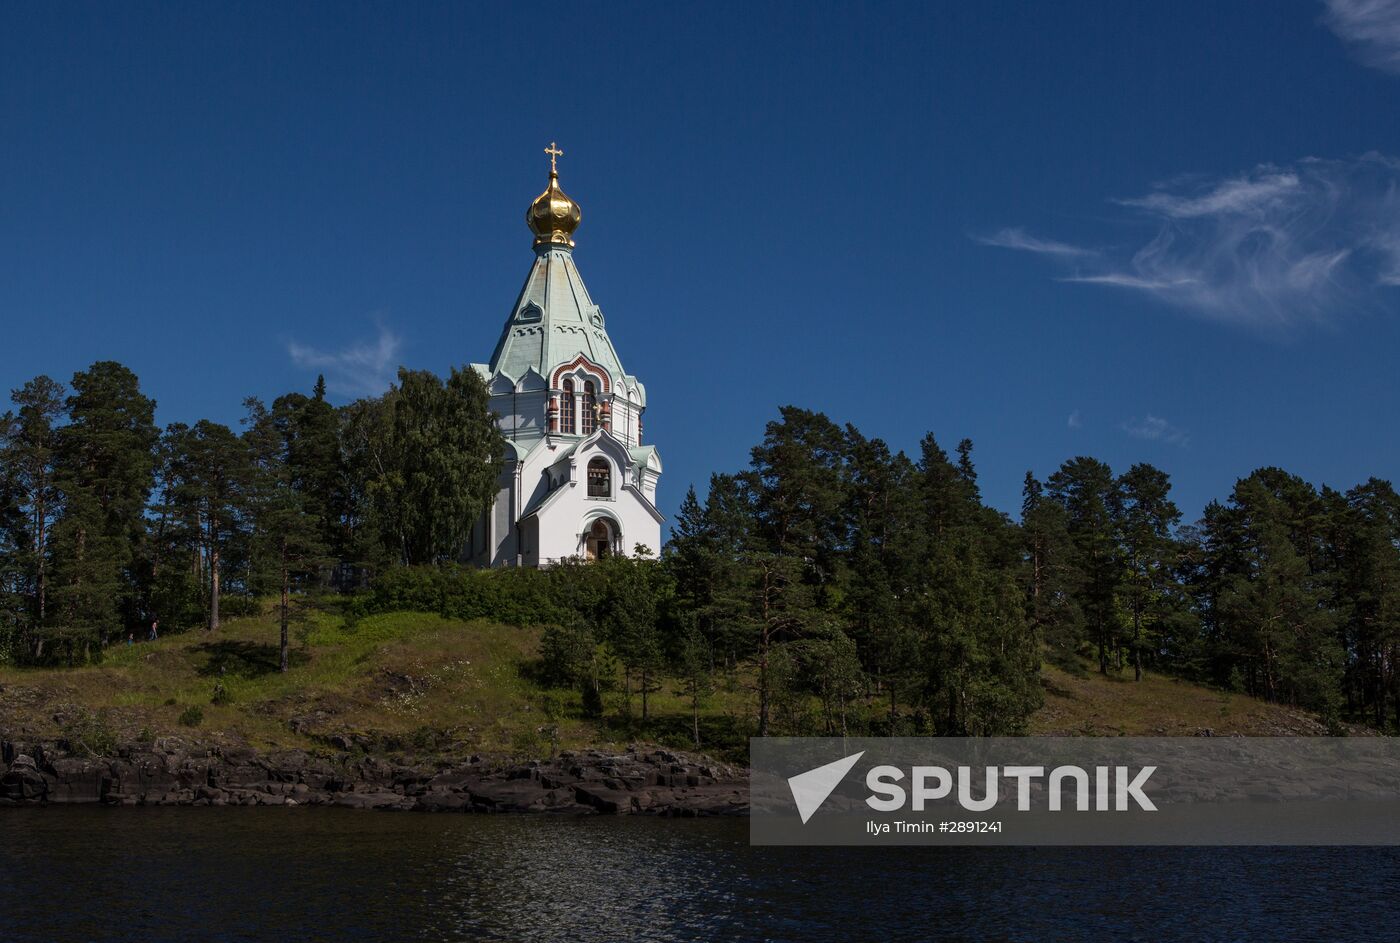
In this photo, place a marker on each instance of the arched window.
(599, 541)
(599, 478)
(590, 408)
(566, 409)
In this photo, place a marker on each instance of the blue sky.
(1162, 233)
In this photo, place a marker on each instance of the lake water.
(158, 874)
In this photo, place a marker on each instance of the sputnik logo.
(810, 789)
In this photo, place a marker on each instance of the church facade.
(578, 480)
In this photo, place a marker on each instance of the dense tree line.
(854, 588)
(848, 575)
(852, 576)
(1282, 591)
(110, 525)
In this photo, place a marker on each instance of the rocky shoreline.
(637, 781)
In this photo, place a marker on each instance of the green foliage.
(103, 470)
(859, 584)
(695, 669)
(1268, 599)
(89, 732)
(514, 596)
(1087, 491)
(428, 454)
(853, 588)
(191, 716)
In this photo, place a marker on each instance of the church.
(578, 480)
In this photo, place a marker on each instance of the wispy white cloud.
(1155, 429)
(1124, 280)
(1075, 421)
(1015, 237)
(1272, 248)
(1370, 27)
(365, 368)
(1255, 193)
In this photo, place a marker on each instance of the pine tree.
(287, 532)
(706, 558)
(1088, 492)
(1367, 545)
(172, 564)
(1145, 519)
(212, 492)
(311, 430)
(795, 478)
(695, 667)
(1051, 577)
(16, 622)
(29, 442)
(104, 472)
(947, 492)
(628, 620)
(980, 658)
(779, 606)
(882, 520)
(1276, 635)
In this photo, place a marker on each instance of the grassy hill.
(1080, 701)
(400, 681)
(424, 684)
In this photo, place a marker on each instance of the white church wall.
(520, 415)
(563, 523)
(502, 521)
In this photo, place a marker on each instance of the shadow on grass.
(721, 736)
(1070, 662)
(241, 659)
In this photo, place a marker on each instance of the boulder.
(24, 783)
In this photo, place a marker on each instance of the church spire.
(553, 216)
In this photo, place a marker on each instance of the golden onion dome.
(553, 216)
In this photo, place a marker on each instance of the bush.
(514, 596)
(89, 733)
(192, 716)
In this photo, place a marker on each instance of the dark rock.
(171, 771)
(610, 801)
(24, 783)
(372, 800)
(444, 802)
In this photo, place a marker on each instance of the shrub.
(89, 733)
(192, 716)
(515, 596)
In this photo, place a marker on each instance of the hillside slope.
(399, 682)
(1085, 703)
(408, 682)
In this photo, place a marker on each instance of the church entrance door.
(599, 540)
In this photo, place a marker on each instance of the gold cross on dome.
(554, 155)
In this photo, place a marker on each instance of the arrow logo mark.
(810, 789)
